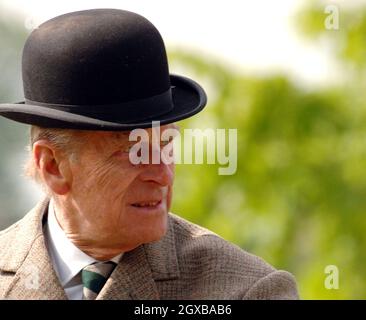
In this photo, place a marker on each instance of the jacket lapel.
(36, 278)
(132, 279)
(27, 257)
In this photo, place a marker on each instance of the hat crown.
(99, 56)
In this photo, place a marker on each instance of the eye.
(164, 143)
(127, 148)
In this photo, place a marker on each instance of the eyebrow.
(176, 126)
(119, 134)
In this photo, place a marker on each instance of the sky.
(253, 36)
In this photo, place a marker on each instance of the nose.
(160, 172)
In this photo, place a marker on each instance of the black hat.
(100, 69)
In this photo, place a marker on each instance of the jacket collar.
(22, 247)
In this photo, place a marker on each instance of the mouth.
(147, 204)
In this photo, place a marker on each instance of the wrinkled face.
(119, 204)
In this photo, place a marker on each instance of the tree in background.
(298, 198)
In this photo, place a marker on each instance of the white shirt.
(67, 259)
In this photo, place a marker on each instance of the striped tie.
(94, 276)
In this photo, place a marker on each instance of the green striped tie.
(94, 276)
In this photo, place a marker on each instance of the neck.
(69, 222)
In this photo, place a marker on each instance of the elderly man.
(105, 230)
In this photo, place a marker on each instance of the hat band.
(125, 112)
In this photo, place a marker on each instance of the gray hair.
(66, 140)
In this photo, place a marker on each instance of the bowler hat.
(100, 69)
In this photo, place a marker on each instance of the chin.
(155, 233)
(145, 236)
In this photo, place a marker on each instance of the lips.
(146, 204)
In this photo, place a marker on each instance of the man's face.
(119, 204)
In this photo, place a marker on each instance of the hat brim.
(188, 99)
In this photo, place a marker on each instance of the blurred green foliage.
(298, 198)
(299, 194)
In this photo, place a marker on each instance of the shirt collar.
(67, 258)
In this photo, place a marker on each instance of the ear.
(52, 166)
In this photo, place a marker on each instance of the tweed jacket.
(189, 262)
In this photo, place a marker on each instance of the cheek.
(105, 180)
(170, 188)
(172, 168)
(169, 198)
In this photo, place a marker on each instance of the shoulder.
(16, 240)
(7, 238)
(8, 235)
(204, 254)
(194, 242)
